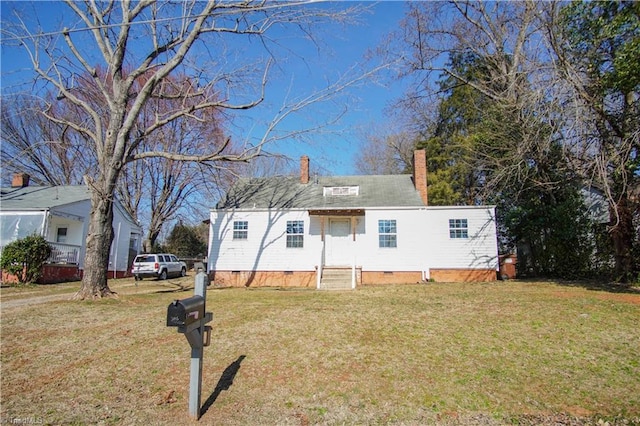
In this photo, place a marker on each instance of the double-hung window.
(295, 234)
(387, 233)
(458, 228)
(61, 236)
(240, 230)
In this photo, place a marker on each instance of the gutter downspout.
(45, 224)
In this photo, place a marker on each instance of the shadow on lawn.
(225, 382)
(176, 287)
(595, 285)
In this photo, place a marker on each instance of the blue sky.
(298, 71)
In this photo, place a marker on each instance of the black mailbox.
(182, 313)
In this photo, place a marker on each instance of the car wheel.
(163, 275)
(183, 272)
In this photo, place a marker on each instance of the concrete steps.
(336, 279)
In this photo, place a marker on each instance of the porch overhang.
(336, 212)
(325, 213)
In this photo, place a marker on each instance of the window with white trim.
(387, 233)
(295, 234)
(340, 191)
(61, 235)
(240, 230)
(458, 228)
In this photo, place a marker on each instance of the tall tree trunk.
(100, 234)
(622, 236)
(152, 237)
(96, 260)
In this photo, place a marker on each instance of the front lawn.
(477, 353)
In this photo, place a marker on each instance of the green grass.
(498, 353)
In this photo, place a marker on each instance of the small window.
(458, 228)
(340, 191)
(240, 230)
(295, 234)
(387, 234)
(61, 236)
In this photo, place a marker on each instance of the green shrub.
(24, 258)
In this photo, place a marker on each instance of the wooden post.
(353, 227)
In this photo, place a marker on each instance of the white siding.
(265, 248)
(479, 251)
(423, 241)
(409, 255)
(119, 253)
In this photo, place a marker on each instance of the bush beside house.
(24, 259)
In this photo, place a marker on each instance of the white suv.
(159, 266)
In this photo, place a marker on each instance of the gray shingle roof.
(41, 197)
(289, 193)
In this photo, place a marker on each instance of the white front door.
(339, 244)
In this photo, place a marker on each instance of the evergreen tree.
(184, 241)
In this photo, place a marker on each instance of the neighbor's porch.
(65, 254)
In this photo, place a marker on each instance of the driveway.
(16, 297)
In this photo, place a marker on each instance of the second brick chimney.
(20, 180)
(420, 174)
(304, 169)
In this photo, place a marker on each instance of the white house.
(61, 215)
(331, 232)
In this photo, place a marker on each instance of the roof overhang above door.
(337, 212)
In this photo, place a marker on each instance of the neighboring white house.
(331, 232)
(61, 215)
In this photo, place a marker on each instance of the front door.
(339, 244)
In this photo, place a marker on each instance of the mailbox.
(182, 313)
(189, 317)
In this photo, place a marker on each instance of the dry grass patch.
(417, 354)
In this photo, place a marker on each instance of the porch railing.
(64, 253)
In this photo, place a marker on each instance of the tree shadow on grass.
(176, 287)
(602, 285)
(225, 382)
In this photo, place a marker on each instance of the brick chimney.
(420, 174)
(304, 169)
(20, 180)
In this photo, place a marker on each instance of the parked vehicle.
(159, 266)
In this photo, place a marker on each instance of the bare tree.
(555, 75)
(383, 153)
(510, 65)
(143, 43)
(155, 190)
(596, 56)
(49, 152)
